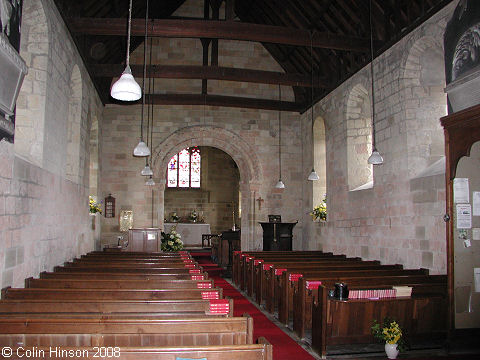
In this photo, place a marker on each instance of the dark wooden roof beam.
(232, 30)
(211, 72)
(227, 101)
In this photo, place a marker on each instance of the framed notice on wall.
(109, 206)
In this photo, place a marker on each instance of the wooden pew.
(126, 265)
(125, 269)
(251, 267)
(125, 333)
(133, 255)
(238, 255)
(117, 284)
(264, 278)
(138, 253)
(260, 351)
(294, 256)
(423, 285)
(285, 306)
(348, 322)
(59, 306)
(128, 276)
(127, 260)
(93, 323)
(280, 296)
(112, 294)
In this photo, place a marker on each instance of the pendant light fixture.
(147, 171)
(313, 175)
(280, 184)
(150, 182)
(375, 158)
(142, 150)
(126, 88)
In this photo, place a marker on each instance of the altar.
(191, 233)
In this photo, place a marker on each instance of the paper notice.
(464, 216)
(476, 278)
(461, 190)
(476, 203)
(476, 234)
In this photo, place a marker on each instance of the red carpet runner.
(284, 348)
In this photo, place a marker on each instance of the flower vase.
(391, 350)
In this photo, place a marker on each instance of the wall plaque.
(109, 206)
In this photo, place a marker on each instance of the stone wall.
(398, 219)
(44, 217)
(249, 137)
(217, 198)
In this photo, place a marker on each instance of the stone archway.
(241, 152)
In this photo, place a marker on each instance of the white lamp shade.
(141, 150)
(126, 88)
(280, 184)
(375, 158)
(313, 176)
(150, 182)
(147, 171)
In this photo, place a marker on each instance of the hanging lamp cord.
(149, 99)
(144, 62)
(151, 132)
(280, 134)
(311, 72)
(128, 32)
(371, 76)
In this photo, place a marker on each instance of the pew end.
(249, 328)
(268, 347)
(28, 281)
(5, 291)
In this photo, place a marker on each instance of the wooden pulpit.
(277, 236)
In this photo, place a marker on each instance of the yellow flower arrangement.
(320, 211)
(94, 206)
(389, 331)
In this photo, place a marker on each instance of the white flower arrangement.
(171, 241)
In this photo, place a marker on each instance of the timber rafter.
(221, 100)
(215, 29)
(212, 73)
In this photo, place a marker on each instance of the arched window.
(359, 139)
(184, 169)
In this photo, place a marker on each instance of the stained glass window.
(195, 168)
(184, 169)
(172, 173)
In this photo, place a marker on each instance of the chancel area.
(197, 159)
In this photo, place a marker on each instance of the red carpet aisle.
(284, 348)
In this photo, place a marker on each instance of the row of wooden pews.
(158, 306)
(295, 286)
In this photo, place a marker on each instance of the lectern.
(144, 240)
(277, 236)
